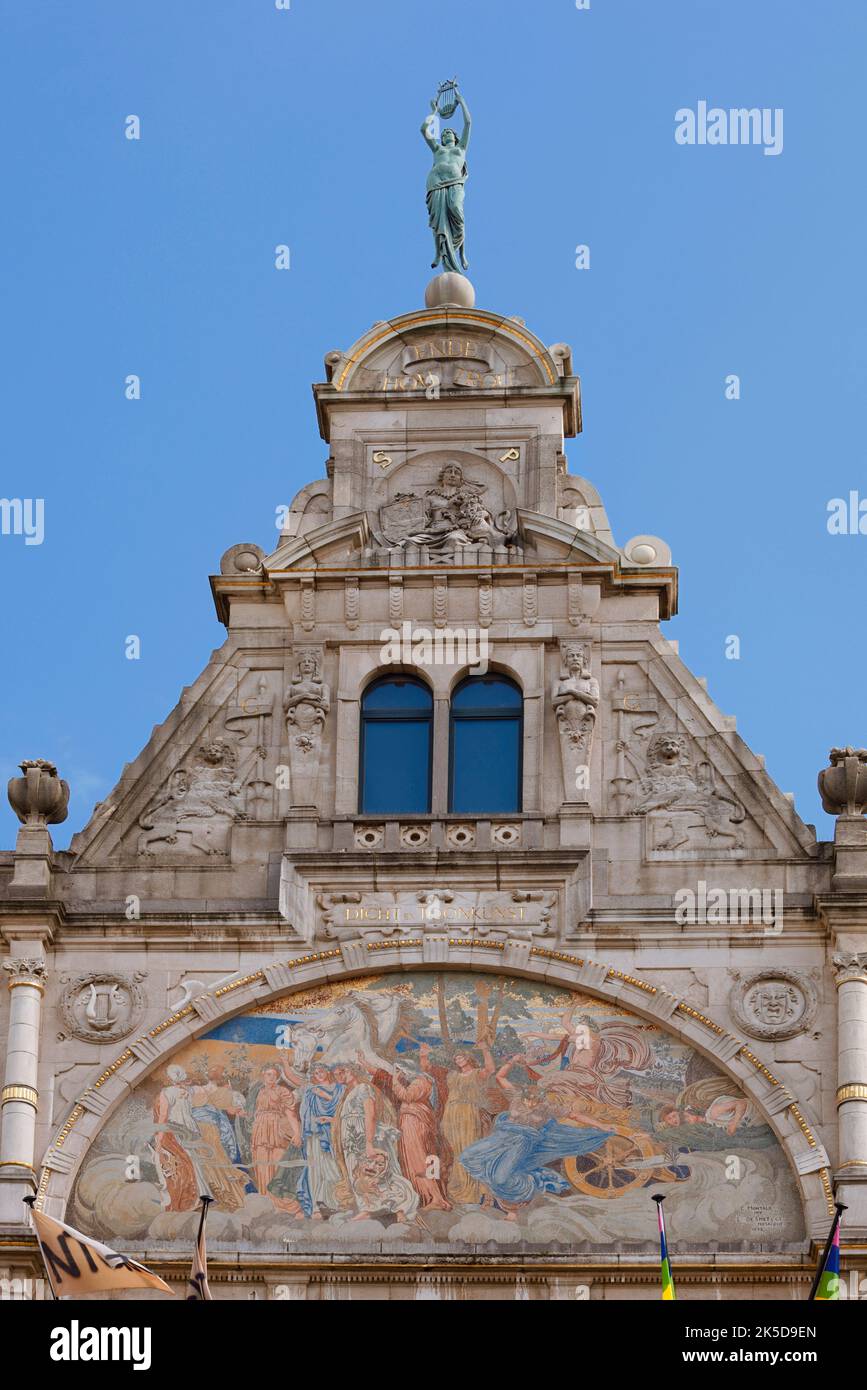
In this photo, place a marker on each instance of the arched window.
(485, 746)
(396, 727)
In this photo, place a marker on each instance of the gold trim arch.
(806, 1155)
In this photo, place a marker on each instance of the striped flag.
(665, 1265)
(826, 1285)
(199, 1290)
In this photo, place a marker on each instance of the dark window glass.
(485, 752)
(396, 727)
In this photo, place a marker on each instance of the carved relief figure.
(575, 698)
(198, 805)
(308, 698)
(773, 1003)
(100, 1007)
(448, 515)
(306, 703)
(256, 709)
(688, 808)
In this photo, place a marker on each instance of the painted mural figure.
(428, 1109)
(320, 1178)
(174, 1124)
(464, 1118)
(420, 1141)
(512, 1160)
(275, 1123)
(212, 1102)
(367, 1138)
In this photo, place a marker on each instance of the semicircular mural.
(437, 1108)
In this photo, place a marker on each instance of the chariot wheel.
(617, 1166)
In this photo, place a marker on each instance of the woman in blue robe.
(511, 1160)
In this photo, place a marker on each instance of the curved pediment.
(466, 347)
(435, 353)
(335, 543)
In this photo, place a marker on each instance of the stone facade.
(653, 870)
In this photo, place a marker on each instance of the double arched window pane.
(396, 729)
(485, 746)
(484, 750)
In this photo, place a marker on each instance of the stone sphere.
(643, 554)
(450, 288)
(245, 558)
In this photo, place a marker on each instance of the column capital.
(851, 967)
(26, 970)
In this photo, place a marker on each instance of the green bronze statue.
(445, 182)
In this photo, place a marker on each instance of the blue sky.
(261, 126)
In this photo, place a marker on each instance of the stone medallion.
(102, 1006)
(773, 1004)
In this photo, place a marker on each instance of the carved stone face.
(771, 1003)
(214, 753)
(575, 660)
(452, 475)
(307, 664)
(668, 750)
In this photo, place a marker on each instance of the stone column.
(439, 800)
(851, 982)
(19, 1097)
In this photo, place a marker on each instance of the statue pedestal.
(450, 288)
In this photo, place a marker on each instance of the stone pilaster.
(851, 982)
(19, 1098)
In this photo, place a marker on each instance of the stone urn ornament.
(843, 785)
(40, 797)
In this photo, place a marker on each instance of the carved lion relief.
(198, 804)
(684, 807)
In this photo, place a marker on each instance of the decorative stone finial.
(450, 289)
(843, 785)
(39, 798)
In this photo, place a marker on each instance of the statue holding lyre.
(445, 182)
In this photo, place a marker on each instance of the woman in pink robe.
(419, 1142)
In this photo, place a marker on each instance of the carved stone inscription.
(516, 912)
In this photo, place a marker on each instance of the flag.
(665, 1267)
(77, 1264)
(826, 1285)
(198, 1288)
